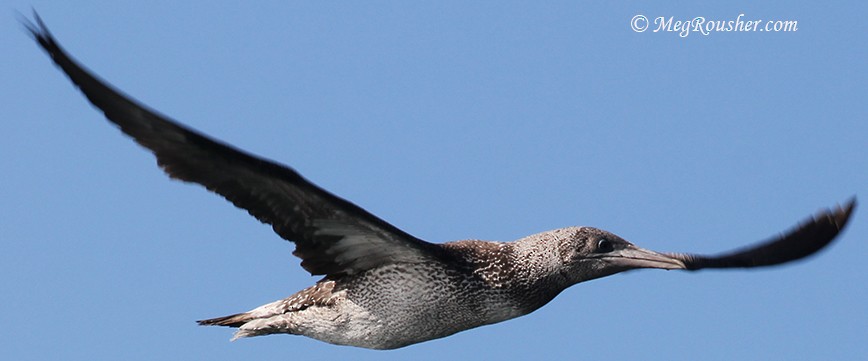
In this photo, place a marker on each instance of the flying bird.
(382, 287)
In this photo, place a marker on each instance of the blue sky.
(451, 121)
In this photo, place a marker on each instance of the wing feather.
(804, 240)
(332, 235)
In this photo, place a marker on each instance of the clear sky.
(491, 120)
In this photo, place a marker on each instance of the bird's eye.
(605, 246)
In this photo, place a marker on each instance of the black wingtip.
(35, 27)
(842, 214)
(838, 217)
(38, 31)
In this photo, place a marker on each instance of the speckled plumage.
(384, 288)
(402, 304)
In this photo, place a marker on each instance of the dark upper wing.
(332, 235)
(802, 241)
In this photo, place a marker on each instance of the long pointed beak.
(635, 257)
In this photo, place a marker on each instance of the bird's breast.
(423, 301)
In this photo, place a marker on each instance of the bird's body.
(384, 288)
(468, 284)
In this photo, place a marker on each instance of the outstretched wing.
(332, 235)
(802, 241)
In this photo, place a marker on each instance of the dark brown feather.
(332, 235)
(804, 240)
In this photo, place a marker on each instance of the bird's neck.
(527, 271)
(537, 262)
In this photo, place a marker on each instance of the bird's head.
(588, 253)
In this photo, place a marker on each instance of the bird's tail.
(239, 319)
(248, 324)
(263, 320)
(235, 320)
